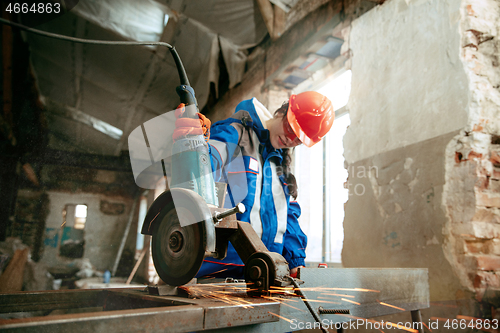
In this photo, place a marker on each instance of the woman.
(250, 151)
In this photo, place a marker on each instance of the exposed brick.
(494, 185)
(477, 230)
(477, 127)
(482, 214)
(488, 199)
(495, 159)
(485, 168)
(477, 246)
(470, 11)
(482, 183)
(494, 246)
(487, 279)
(474, 154)
(483, 262)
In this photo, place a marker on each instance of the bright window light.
(322, 167)
(338, 90)
(81, 211)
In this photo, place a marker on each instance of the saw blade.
(177, 251)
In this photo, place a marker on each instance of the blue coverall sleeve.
(223, 142)
(295, 241)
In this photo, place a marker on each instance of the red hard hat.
(310, 115)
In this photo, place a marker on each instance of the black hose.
(80, 40)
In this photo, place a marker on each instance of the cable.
(80, 40)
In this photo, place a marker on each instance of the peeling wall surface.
(408, 82)
(472, 191)
(394, 216)
(409, 99)
(108, 196)
(103, 229)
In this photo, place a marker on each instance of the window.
(321, 176)
(80, 216)
(72, 228)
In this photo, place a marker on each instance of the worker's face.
(281, 134)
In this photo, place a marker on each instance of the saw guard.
(184, 198)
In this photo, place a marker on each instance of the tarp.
(126, 86)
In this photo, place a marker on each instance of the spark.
(283, 299)
(392, 306)
(62, 225)
(445, 305)
(343, 289)
(282, 288)
(348, 300)
(282, 302)
(439, 318)
(469, 318)
(274, 314)
(222, 270)
(427, 326)
(327, 298)
(276, 291)
(318, 301)
(339, 295)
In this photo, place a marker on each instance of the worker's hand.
(190, 126)
(294, 271)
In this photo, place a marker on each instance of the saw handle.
(185, 91)
(186, 94)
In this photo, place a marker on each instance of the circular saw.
(182, 232)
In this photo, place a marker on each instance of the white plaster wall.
(103, 233)
(408, 82)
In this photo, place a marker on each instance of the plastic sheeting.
(141, 20)
(126, 86)
(239, 21)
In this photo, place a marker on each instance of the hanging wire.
(80, 40)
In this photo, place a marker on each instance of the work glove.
(190, 126)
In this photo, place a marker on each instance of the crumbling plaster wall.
(103, 230)
(109, 196)
(409, 99)
(472, 192)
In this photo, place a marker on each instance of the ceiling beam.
(84, 118)
(275, 56)
(83, 160)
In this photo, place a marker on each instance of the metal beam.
(362, 293)
(84, 160)
(370, 293)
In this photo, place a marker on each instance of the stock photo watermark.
(365, 324)
(359, 172)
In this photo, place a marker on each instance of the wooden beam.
(271, 58)
(83, 160)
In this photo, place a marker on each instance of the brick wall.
(472, 194)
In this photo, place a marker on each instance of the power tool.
(187, 222)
